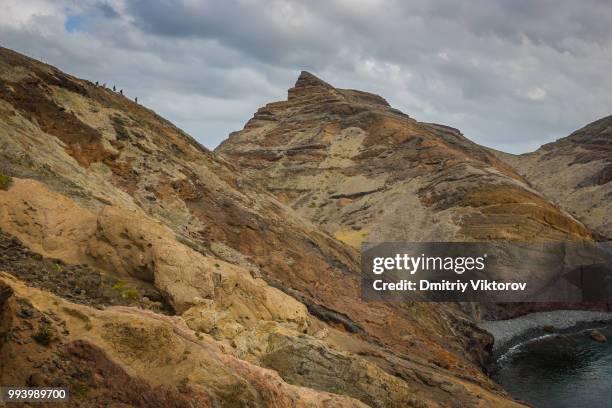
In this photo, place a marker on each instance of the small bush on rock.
(43, 336)
(5, 181)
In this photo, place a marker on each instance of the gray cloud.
(107, 10)
(511, 74)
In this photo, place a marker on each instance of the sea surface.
(559, 371)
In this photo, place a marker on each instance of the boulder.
(597, 336)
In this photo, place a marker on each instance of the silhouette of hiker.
(121, 92)
(114, 89)
(97, 83)
(136, 99)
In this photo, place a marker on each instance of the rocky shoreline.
(511, 332)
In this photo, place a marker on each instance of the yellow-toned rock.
(45, 221)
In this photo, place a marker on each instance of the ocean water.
(559, 371)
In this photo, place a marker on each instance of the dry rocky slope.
(575, 172)
(140, 269)
(365, 171)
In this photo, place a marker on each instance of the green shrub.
(5, 181)
(43, 336)
(130, 293)
(126, 291)
(119, 285)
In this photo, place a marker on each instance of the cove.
(558, 371)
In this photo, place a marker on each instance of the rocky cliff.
(366, 171)
(575, 172)
(140, 269)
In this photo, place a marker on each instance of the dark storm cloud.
(512, 74)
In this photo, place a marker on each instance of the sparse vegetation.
(74, 281)
(312, 205)
(131, 293)
(5, 181)
(43, 336)
(78, 389)
(119, 285)
(126, 291)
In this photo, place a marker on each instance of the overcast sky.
(509, 74)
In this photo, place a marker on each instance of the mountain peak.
(307, 80)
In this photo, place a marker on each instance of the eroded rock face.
(102, 182)
(365, 171)
(134, 246)
(113, 357)
(575, 172)
(262, 324)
